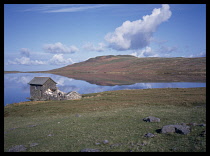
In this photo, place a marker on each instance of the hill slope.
(124, 68)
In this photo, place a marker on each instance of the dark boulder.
(151, 119)
(181, 129)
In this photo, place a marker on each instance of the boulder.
(151, 119)
(17, 148)
(168, 129)
(181, 129)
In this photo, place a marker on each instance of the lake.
(17, 89)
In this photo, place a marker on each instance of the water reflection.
(16, 87)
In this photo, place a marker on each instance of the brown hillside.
(126, 69)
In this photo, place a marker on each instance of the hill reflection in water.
(16, 88)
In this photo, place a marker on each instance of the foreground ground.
(109, 121)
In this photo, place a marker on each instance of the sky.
(40, 37)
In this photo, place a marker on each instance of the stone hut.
(44, 88)
(39, 85)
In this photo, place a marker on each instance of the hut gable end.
(38, 85)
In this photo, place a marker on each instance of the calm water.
(16, 88)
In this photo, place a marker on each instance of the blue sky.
(48, 36)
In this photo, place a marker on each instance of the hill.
(127, 69)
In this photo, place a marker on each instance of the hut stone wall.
(49, 91)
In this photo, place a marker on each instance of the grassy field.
(116, 116)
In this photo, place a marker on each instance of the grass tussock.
(115, 116)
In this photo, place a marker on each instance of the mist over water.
(17, 89)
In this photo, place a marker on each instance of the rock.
(17, 148)
(151, 119)
(202, 125)
(97, 143)
(115, 145)
(168, 129)
(33, 144)
(181, 129)
(89, 150)
(50, 135)
(149, 135)
(78, 115)
(105, 142)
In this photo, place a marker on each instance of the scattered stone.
(149, 135)
(97, 143)
(50, 135)
(89, 150)
(17, 148)
(151, 119)
(78, 115)
(33, 144)
(181, 129)
(105, 142)
(202, 125)
(115, 145)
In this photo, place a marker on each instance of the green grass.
(115, 116)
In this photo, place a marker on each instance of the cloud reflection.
(19, 82)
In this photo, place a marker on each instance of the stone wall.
(59, 95)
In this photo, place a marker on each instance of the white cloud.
(138, 34)
(146, 52)
(58, 59)
(90, 47)
(26, 61)
(59, 48)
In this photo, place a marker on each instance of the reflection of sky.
(16, 87)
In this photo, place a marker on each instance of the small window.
(35, 87)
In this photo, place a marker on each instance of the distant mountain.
(127, 69)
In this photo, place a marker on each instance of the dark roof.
(39, 80)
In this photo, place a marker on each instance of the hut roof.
(39, 80)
